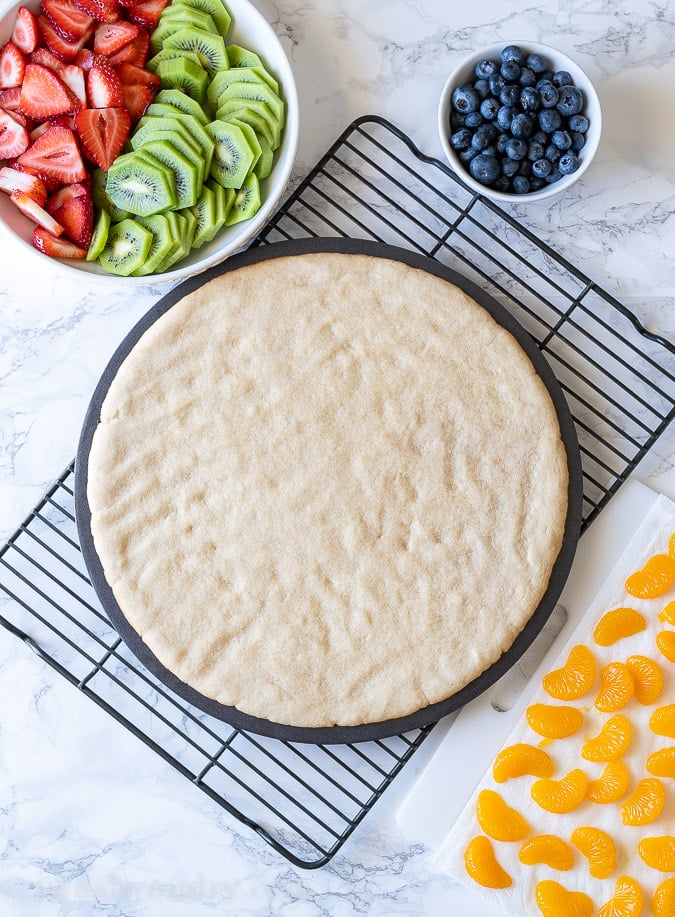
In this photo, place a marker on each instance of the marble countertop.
(90, 822)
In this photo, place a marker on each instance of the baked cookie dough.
(327, 489)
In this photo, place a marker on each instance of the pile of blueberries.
(518, 126)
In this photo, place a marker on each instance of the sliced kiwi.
(179, 137)
(100, 235)
(232, 155)
(101, 199)
(246, 201)
(224, 198)
(126, 248)
(242, 57)
(178, 122)
(177, 250)
(171, 54)
(251, 139)
(141, 185)
(162, 243)
(215, 8)
(183, 102)
(225, 78)
(183, 73)
(263, 166)
(206, 212)
(258, 92)
(186, 173)
(174, 20)
(262, 122)
(189, 225)
(209, 47)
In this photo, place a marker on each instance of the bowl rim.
(581, 79)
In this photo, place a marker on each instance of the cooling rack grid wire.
(373, 183)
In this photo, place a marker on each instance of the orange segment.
(665, 640)
(481, 864)
(662, 721)
(616, 687)
(654, 579)
(663, 902)
(554, 722)
(671, 545)
(611, 784)
(611, 742)
(520, 759)
(658, 852)
(626, 901)
(648, 678)
(667, 614)
(617, 624)
(661, 763)
(548, 849)
(498, 820)
(598, 847)
(575, 678)
(560, 796)
(645, 804)
(553, 900)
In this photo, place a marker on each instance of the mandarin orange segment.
(648, 679)
(671, 545)
(611, 784)
(548, 849)
(667, 614)
(617, 686)
(665, 640)
(654, 579)
(575, 678)
(611, 742)
(663, 902)
(553, 722)
(497, 819)
(520, 759)
(560, 796)
(617, 624)
(553, 900)
(645, 803)
(598, 848)
(661, 763)
(626, 901)
(658, 852)
(481, 864)
(662, 721)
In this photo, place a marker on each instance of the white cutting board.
(474, 736)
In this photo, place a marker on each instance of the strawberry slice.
(12, 66)
(44, 94)
(10, 99)
(84, 59)
(127, 53)
(110, 37)
(73, 77)
(56, 248)
(137, 97)
(101, 10)
(141, 45)
(14, 139)
(69, 21)
(50, 183)
(45, 58)
(56, 200)
(25, 34)
(103, 132)
(56, 155)
(12, 180)
(104, 88)
(34, 212)
(131, 74)
(76, 216)
(65, 50)
(147, 13)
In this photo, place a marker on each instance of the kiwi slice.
(251, 139)
(206, 212)
(126, 248)
(232, 155)
(255, 91)
(263, 166)
(141, 185)
(174, 20)
(162, 243)
(246, 201)
(180, 138)
(101, 199)
(182, 102)
(224, 198)
(183, 73)
(186, 173)
(100, 235)
(225, 78)
(209, 47)
(217, 10)
(171, 54)
(177, 249)
(242, 57)
(262, 122)
(178, 122)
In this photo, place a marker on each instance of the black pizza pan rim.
(368, 731)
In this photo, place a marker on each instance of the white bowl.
(251, 30)
(464, 73)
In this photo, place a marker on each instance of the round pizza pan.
(368, 731)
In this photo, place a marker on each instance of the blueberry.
(549, 120)
(465, 99)
(510, 70)
(522, 126)
(529, 99)
(456, 120)
(473, 119)
(535, 150)
(496, 83)
(540, 137)
(541, 168)
(526, 78)
(461, 139)
(536, 183)
(485, 169)
(482, 87)
(502, 140)
(561, 139)
(548, 94)
(485, 68)
(521, 184)
(510, 167)
(525, 168)
(579, 123)
(536, 63)
(483, 137)
(512, 53)
(467, 155)
(505, 116)
(503, 183)
(568, 163)
(578, 141)
(552, 153)
(571, 101)
(562, 78)
(509, 95)
(489, 108)
(516, 149)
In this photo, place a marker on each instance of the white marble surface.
(92, 823)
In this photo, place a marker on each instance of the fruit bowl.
(248, 30)
(501, 186)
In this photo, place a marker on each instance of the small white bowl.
(464, 73)
(249, 29)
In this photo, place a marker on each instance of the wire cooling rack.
(373, 183)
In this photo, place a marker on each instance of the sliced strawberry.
(58, 121)
(25, 34)
(14, 139)
(56, 248)
(136, 100)
(56, 200)
(45, 58)
(104, 88)
(44, 94)
(56, 155)
(127, 53)
(10, 98)
(65, 50)
(84, 59)
(12, 180)
(73, 77)
(76, 216)
(103, 132)
(141, 45)
(110, 37)
(131, 74)
(69, 21)
(50, 184)
(21, 119)
(34, 212)
(101, 10)
(147, 13)
(12, 66)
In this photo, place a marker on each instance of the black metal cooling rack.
(373, 183)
